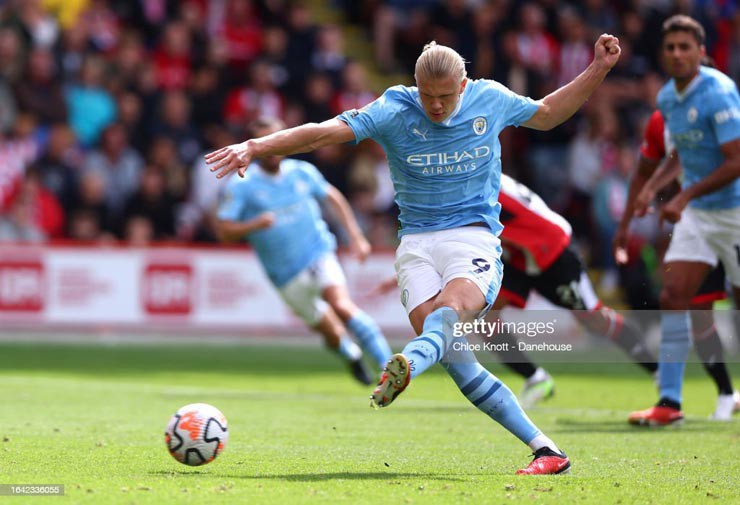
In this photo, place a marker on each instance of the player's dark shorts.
(711, 290)
(564, 284)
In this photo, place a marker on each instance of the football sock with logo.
(489, 394)
(430, 347)
(674, 349)
(348, 349)
(709, 348)
(371, 339)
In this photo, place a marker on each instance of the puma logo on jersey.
(422, 135)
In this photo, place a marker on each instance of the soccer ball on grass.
(196, 434)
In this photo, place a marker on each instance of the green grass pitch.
(92, 417)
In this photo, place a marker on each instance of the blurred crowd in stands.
(106, 106)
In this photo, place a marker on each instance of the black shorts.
(713, 287)
(564, 284)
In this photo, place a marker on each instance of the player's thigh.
(566, 284)
(328, 272)
(303, 295)
(722, 231)
(418, 279)
(332, 282)
(469, 253)
(688, 242)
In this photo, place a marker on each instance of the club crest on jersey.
(480, 125)
(692, 115)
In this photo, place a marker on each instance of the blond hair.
(436, 62)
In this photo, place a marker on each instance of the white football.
(196, 434)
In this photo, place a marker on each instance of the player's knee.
(449, 303)
(673, 297)
(344, 308)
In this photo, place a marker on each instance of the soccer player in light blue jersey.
(441, 140)
(276, 209)
(701, 108)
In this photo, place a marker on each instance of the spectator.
(36, 207)
(328, 56)
(172, 61)
(17, 151)
(173, 122)
(91, 108)
(354, 93)
(318, 97)
(39, 92)
(119, 166)
(259, 99)
(12, 55)
(241, 30)
(57, 168)
(91, 206)
(152, 201)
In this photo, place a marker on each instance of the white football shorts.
(708, 236)
(303, 292)
(426, 262)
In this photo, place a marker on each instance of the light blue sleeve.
(725, 115)
(233, 201)
(519, 109)
(370, 120)
(319, 185)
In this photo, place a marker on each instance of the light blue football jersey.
(444, 174)
(299, 235)
(705, 116)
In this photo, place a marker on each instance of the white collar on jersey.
(454, 113)
(681, 95)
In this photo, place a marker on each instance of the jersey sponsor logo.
(692, 115)
(480, 125)
(725, 115)
(167, 289)
(427, 159)
(22, 286)
(688, 139)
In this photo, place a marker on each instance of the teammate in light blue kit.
(276, 208)
(701, 107)
(441, 139)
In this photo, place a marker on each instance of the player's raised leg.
(360, 324)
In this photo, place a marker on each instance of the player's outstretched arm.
(564, 102)
(300, 139)
(663, 176)
(643, 173)
(358, 243)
